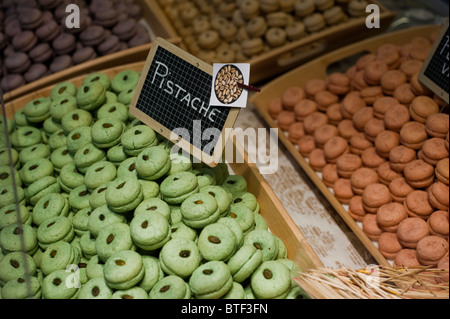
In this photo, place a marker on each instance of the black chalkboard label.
(435, 70)
(173, 97)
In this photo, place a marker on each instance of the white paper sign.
(226, 89)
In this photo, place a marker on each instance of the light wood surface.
(318, 69)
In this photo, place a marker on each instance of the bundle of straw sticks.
(376, 282)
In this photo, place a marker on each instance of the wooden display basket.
(273, 211)
(285, 58)
(152, 20)
(318, 69)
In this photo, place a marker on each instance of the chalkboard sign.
(435, 70)
(173, 97)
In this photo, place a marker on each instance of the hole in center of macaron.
(33, 167)
(9, 211)
(212, 194)
(125, 77)
(86, 89)
(83, 193)
(64, 101)
(144, 224)
(4, 175)
(237, 200)
(28, 133)
(267, 274)
(46, 204)
(126, 296)
(4, 191)
(51, 224)
(176, 178)
(185, 253)
(132, 167)
(258, 246)
(18, 231)
(207, 272)
(121, 185)
(233, 215)
(62, 90)
(101, 190)
(99, 169)
(20, 280)
(107, 125)
(109, 239)
(214, 239)
(231, 182)
(14, 263)
(37, 102)
(145, 157)
(101, 217)
(198, 202)
(137, 132)
(53, 253)
(75, 117)
(95, 291)
(120, 262)
(152, 208)
(86, 151)
(112, 109)
(57, 281)
(164, 288)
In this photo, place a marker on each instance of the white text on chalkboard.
(161, 79)
(444, 50)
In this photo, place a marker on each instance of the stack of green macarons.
(106, 210)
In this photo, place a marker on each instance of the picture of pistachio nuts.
(226, 84)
